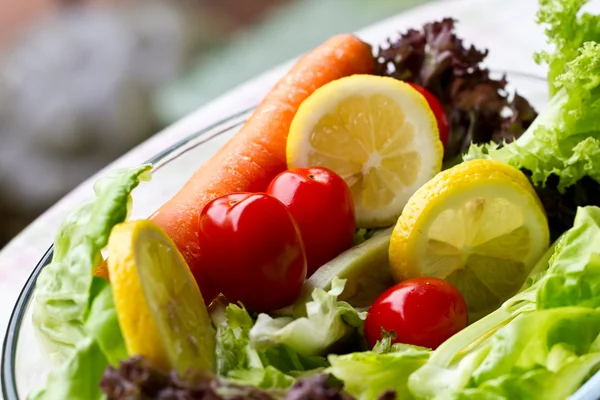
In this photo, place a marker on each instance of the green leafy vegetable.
(573, 278)
(567, 29)
(367, 375)
(62, 290)
(102, 323)
(78, 377)
(518, 362)
(240, 361)
(73, 313)
(262, 377)
(565, 139)
(502, 355)
(328, 323)
(560, 336)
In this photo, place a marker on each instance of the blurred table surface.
(506, 27)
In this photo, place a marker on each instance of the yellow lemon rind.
(159, 306)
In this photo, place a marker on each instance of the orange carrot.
(254, 155)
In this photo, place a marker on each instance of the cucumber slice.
(365, 267)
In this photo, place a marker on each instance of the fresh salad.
(390, 223)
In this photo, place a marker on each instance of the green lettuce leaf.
(573, 277)
(239, 361)
(263, 377)
(560, 336)
(549, 361)
(232, 350)
(73, 313)
(567, 29)
(328, 323)
(565, 138)
(542, 383)
(102, 323)
(78, 377)
(366, 375)
(62, 292)
(468, 394)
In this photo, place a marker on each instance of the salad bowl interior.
(24, 367)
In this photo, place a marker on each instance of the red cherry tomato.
(422, 311)
(438, 111)
(251, 251)
(321, 204)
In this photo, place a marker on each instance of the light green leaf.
(74, 313)
(264, 378)
(240, 361)
(328, 322)
(368, 374)
(102, 324)
(564, 140)
(517, 348)
(566, 28)
(78, 378)
(63, 287)
(573, 278)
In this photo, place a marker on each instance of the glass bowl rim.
(9, 346)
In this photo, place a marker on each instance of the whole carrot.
(256, 154)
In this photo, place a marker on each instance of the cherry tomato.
(422, 311)
(438, 111)
(321, 203)
(251, 251)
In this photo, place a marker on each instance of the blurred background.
(84, 81)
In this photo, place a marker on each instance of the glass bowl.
(24, 367)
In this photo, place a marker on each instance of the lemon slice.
(378, 133)
(159, 306)
(479, 225)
